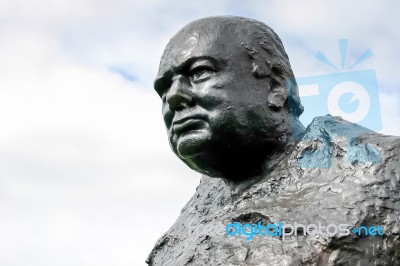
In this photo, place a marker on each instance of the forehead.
(203, 40)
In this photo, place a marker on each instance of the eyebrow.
(178, 69)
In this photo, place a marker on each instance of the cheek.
(167, 115)
(252, 120)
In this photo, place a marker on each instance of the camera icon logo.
(353, 95)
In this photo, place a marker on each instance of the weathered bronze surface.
(231, 108)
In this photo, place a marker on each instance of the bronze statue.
(231, 108)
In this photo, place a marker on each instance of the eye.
(201, 73)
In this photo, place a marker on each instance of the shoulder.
(328, 138)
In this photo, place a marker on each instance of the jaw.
(230, 154)
(234, 166)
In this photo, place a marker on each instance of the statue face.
(214, 109)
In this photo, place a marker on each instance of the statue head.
(229, 98)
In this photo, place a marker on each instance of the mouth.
(188, 124)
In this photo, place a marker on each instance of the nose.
(179, 96)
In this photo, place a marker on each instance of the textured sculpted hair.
(265, 50)
(256, 37)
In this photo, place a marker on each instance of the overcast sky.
(86, 173)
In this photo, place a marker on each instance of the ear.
(260, 71)
(277, 95)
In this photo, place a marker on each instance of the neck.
(239, 185)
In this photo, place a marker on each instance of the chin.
(192, 144)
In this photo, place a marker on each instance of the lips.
(187, 124)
